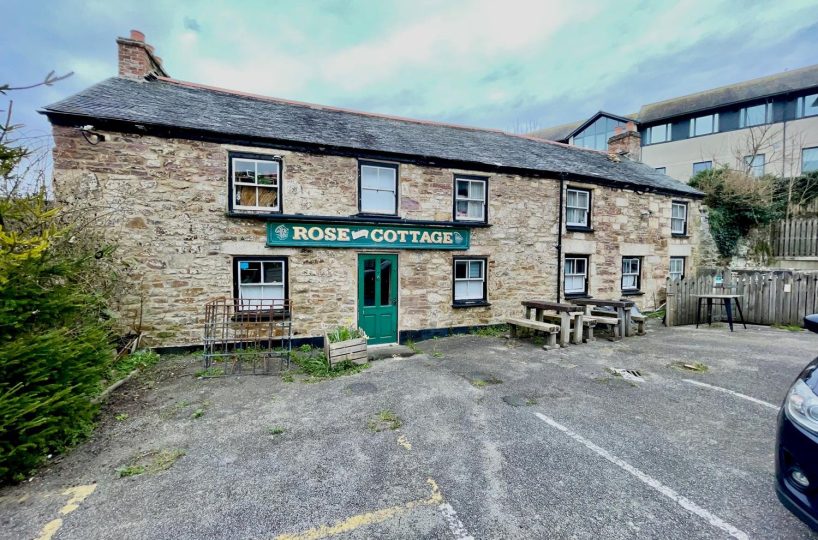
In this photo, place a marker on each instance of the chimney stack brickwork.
(626, 142)
(136, 58)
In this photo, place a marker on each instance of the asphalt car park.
(482, 437)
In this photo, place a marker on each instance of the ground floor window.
(677, 267)
(469, 281)
(259, 281)
(631, 273)
(576, 274)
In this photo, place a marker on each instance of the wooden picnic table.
(623, 311)
(726, 300)
(566, 313)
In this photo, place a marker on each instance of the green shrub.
(345, 333)
(55, 345)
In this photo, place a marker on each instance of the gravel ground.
(497, 439)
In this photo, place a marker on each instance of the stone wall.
(164, 202)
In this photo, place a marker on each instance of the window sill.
(371, 215)
(679, 235)
(480, 303)
(471, 222)
(633, 293)
(577, 228)
(577, 295)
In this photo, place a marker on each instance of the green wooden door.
(378, 297)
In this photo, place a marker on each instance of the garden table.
(726, 300)
(622, 307)
(566, 312)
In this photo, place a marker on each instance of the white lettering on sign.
(317, 233)
(299, 233)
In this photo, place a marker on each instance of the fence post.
(670, 303)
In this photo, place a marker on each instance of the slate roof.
(174, 104)
(780, 83)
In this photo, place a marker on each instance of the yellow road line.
(368, 518)
(78, 494)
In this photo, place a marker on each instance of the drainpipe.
(559, 237)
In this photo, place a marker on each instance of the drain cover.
(629, 374)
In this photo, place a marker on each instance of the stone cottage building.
(404, 227)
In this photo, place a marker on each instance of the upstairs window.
(678, 219)
(470, 198)
(755, 116)
(631, 273)
(809, 160)
(662, 170)
(578, 208)
(260, 281)
(755, 165)
(469, 281)
(806, 106)
(677, 268)
(658, 134)
(702, 166)
(576, 275)
(255, 183)
(378, 188)
(704, 125)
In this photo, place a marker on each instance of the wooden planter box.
(353, 350)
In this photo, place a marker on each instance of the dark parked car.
(796, 457)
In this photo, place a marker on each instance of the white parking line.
(733, 393)
(684, 502)
(455, 525)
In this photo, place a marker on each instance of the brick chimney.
(136, 58)
(626, 142)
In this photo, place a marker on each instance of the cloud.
(192, 24)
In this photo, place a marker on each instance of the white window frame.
(713, 119)
(469, 199)
(381, 167)
(256, 185)
(253, 303)
(631, 273)
(803, 161)
(586, 209)
(742, 119)
(674, 220)
(482, 280)
(755, 170)
(664, 128)
(574, 274)
(676, 274)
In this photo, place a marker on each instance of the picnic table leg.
(729, 309)
(551, 341)
(565, 329)
(538, 315)
(698, 310)
(577, 337)
(620, 312)
(740, 314)
(709, 311)
(527, 312)
(628, 323)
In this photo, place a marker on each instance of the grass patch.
(287, 378)
(658, 314)
(482, 382)
(384, 420)
(141, 359)
(278, 430)
(497, 330)
(696, 367)
(121, 417)
(789, 327)
(198, 413)
(437, 354)
(151, 462)
(212, 371)
(313, 362)
(412, 346)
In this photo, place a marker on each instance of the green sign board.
(365, 236)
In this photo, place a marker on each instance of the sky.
(506, 64)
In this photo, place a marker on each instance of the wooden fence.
(766, 297)
(795, 237)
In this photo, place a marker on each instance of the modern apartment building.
(764, 126)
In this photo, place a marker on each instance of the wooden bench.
(550, 330)
(640, 324)
(607, 319)
(588, 324)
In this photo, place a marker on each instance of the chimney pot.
(630, 126)
(136, 35)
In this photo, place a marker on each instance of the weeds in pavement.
(198, 413)
(151, 462)
(212, 371)
(121, 417)
(696, 367)
(412, 346)
(496, 330)
(313, 362)
(479, 383)
(790, 327)
(278, 430)
(287, 378)
(384, 420)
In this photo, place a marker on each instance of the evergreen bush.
(55, 345)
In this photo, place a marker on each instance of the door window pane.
(369, 282)
(386, 282)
